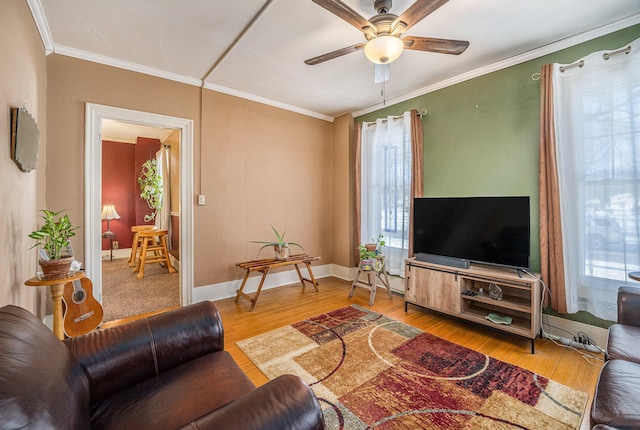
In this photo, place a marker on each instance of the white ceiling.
(124, 132)
(183, 40)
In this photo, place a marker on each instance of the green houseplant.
(53, 237)
(280, 246)
(150, 183)
(370, 252)
(372, 249)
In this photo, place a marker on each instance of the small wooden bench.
(264, 266)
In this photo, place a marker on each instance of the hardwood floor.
(285, 305)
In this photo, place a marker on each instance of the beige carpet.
(124, 295)
(372, 372)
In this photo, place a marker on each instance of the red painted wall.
(118, 189)
(121, 163)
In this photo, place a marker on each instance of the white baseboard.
(566, 329)
(117, 253)
(556, 326)
(224, 290)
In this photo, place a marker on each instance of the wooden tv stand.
(441, 288)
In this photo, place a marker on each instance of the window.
(386, 187)
(597, 109)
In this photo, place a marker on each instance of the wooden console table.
(264, 266)
(57, 289)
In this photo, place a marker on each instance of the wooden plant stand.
(264, 266)
(56, 287)
(378, 273)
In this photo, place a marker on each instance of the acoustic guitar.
(84, 313)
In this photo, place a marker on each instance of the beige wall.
(264, 166)
(22, 81)
(261, 165)
(70, 84)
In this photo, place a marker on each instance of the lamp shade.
(109, 212)
(384, 49)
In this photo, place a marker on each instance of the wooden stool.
(135, 245)
(153, 241)
(377, 270)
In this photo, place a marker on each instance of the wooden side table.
(111, 236)
(57, 288)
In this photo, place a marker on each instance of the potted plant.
(56, 254)
(280, 247)
(370, 252)
(150, 183)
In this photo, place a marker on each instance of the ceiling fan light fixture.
(384, 49)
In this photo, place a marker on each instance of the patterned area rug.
(370, 371)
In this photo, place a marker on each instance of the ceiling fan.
(383, 32)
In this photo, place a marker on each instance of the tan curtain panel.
(358, 181)
(551, 254)
(417, 167)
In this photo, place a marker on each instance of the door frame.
(94, 114)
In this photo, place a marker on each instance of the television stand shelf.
(465, 293)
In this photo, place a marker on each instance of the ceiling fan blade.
(442, 46)
(335, 54)
(415, 13)
(343, 11)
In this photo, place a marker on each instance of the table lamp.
(109, 213)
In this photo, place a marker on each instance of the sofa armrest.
(125, 355)
(629, 306)
(286, 403)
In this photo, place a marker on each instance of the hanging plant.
(150, 183)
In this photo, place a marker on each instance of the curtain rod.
(421, 113)
(606, 56)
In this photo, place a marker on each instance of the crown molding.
(121, 64)
(50, 47)
(109, 61)
(512, 61)
(267, 101)
(41, 23)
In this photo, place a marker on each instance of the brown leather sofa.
(167, 371)
(616, 402)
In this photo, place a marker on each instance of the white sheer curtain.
(386, 187)
(163, 217)
(597, 117)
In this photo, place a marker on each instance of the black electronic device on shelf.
(456, 231)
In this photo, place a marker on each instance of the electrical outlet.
(201, 200)
(116, 245)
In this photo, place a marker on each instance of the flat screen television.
(485, 230)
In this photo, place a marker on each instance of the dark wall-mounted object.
(25, 139)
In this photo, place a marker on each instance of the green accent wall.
(481, 136)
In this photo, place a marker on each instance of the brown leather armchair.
(164, 372)
(616, 401)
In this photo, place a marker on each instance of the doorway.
(94, 116)
(128, 150)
